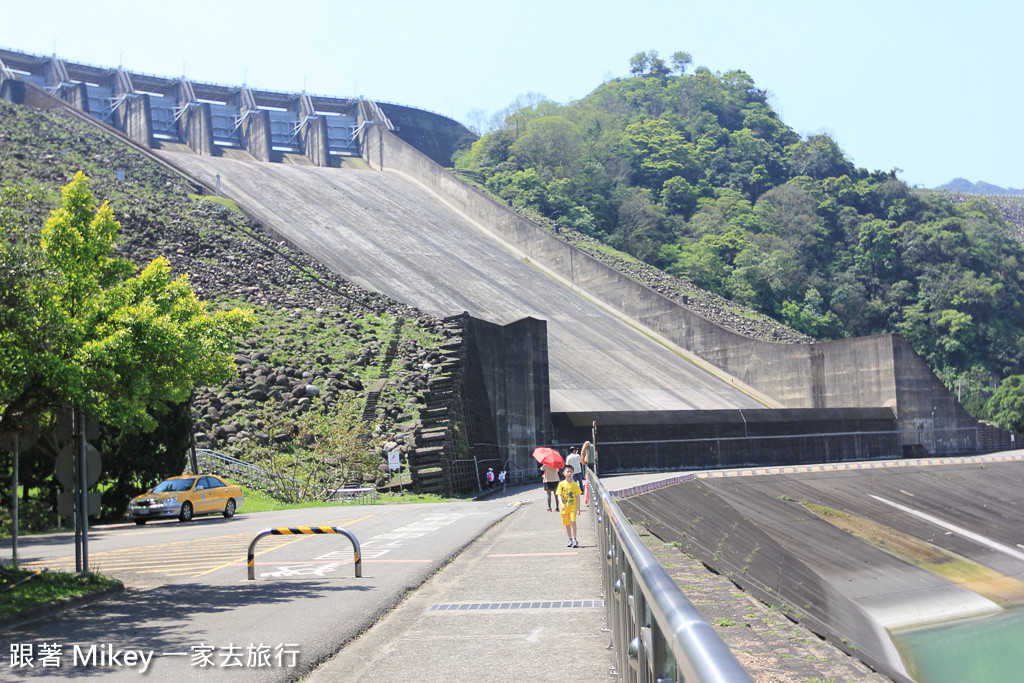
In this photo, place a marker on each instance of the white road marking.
(958, 530)
(320, 570)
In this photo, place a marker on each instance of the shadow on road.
(153, 619)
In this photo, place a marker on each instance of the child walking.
(569, 492)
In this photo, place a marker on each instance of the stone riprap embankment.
(317, 334)
(1011, 209)
(312, 340)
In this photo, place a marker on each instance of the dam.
(387, 233)
(668, 389)
(564, 340)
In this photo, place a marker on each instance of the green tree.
(810, 318)
(638, 225)
(881, 257)
(818, 157)
(658, 152)
(638, 63)
(24, 325)
(134, 461)
(679, 196)
(1006, 407)
(958, 329)
(112, 344)
(551, 142)
(680, 60)
(328, 447)
(658, 66)
(522, 188)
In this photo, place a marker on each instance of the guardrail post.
(289, 531)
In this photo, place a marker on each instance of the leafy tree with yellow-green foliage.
(80, 327)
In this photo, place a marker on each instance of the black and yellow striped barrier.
(18, 583)
(289, 531)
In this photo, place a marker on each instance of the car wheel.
(229, 508)
(140, 522)
(186, 511)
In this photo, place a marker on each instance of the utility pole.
(84, 487)
(76, 495)
(14, 504)
(593, 442)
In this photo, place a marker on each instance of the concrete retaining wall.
(315, 142)
(76, 95)
(514, 367)
(878, 371)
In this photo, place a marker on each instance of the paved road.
(188, 594)
(386, 233)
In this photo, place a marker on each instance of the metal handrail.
(657, 633)
(247, 473)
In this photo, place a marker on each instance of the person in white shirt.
(573, 460)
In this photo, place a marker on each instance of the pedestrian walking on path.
(549, 476)
(570, 493)
(573, 461)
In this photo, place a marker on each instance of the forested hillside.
(694, 173)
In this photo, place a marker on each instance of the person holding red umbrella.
(550, 462)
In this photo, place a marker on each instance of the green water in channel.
(989, 650)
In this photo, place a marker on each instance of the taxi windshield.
(174, 485)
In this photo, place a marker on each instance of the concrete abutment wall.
(514, 366)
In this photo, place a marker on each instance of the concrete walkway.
(517, 605)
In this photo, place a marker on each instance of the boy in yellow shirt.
(569, 493)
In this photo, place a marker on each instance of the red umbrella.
(548, 456)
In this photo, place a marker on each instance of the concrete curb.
(58, 607)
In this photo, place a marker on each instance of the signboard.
(394, 459)
(66, 465)
(66, 503)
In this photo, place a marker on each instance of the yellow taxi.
(186, 496)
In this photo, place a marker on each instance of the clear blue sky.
(929, 87)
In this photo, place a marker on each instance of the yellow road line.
(221, 547)
(345, 520)
(262, 552)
